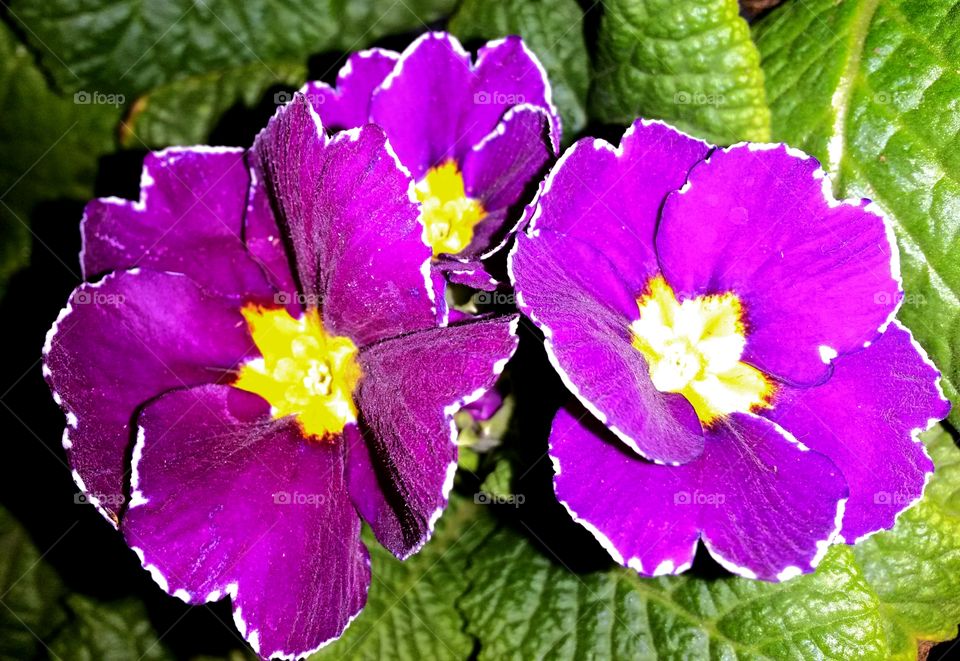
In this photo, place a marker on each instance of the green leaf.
(50, 146)
(499, 483)
(877, 600)
(525, 605)
(134, 46)
(914, 567)
(115, 631)
(689, 63)
(870, 88)
(553, 29)
(29, 593)
(183, 112)
(410, 612)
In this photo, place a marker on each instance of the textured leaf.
(914, 567)
(116, 631)
(554, 31)
(29, 593)
(690, 63)
(523, 605)
(877, 600)
(183, 112)
(133, 46)
(870, 87)
(49, 148)
(410, 612)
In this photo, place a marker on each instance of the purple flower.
(256, 399)
(475, 136)
(728, 329)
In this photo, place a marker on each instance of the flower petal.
(411, 388)
(265, 242)
(421, 103)
(349, 212)
(866, 418)
(584, 257)
(229, 502)
(782, 503)
(472, 274)
(630, 505)
(764, 506)
(816, 277)
(188, 220)
(348, 105)
(121, 342)
(508, 73)
(437, 105)
(499, 170)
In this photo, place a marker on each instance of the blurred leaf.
(410, 611)
(872, 89)
(29, 593)
(499, 483)
(553, 29)
(134, 46)
(116, 631)
(183, 112)
(689, 63)
(50, 148)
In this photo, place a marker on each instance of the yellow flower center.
(304, 372)
(694, 347)
(449, 216)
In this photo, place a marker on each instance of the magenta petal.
(348, 105)
(228, 502)
(411, 388)
(603, 200)
(121, 342)
(469, 273)
(484, 408)
(348, 209)
(420, 105)
(508, 73)
(816, 277)
(188, 220)
(749, 498)
(436, 104)
(265, 241)
(578, 267)
(498, 170)
(783, 503)
(866, 418)
(627, 503)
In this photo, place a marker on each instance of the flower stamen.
(449, 216)
(694, 348)
(303, 371)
